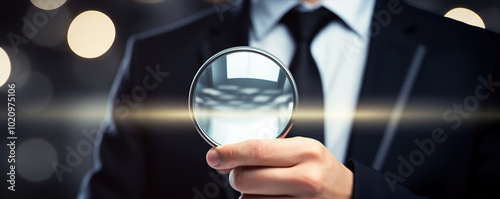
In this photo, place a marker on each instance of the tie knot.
(305, 25)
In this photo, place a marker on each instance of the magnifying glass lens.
(242, 93)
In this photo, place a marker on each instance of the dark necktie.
(303, 26)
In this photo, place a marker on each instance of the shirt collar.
(356, 14)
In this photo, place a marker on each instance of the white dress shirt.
(340, 51)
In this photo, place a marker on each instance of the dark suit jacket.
(432, 81)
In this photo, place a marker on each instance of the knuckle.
(315, 150)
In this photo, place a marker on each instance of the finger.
(269, 181)
(262, 152)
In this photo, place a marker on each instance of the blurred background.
(63, 55)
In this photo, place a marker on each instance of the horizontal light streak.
(179, 114)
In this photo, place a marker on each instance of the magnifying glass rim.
(191, 100)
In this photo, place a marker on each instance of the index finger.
(262, 152)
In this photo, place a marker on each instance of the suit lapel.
(390, 54)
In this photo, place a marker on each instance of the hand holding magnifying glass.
(240, 100)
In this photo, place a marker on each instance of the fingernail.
(213, 158)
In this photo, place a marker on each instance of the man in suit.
(423, 118)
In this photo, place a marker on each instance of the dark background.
(61, 95)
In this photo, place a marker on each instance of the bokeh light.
(19, 63)
(48, 4)
(34, 159)
(5, 67)
(91, 34)
(467, 16)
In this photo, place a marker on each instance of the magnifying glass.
(242, 93)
